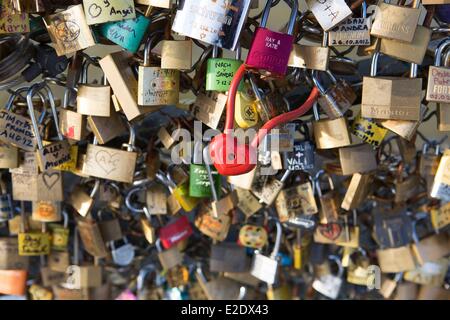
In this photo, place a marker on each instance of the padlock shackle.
(315, 79)
(444, 44)
(85, 67)
(338, 262)
(143, 273)
(276, 248)
(292, 17)
(128, 202)
(148, 47)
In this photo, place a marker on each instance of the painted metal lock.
(218, 23)
(60, 235)
(246, 111)
(128, 33)
(270, 50)
(105, 11)
(214, 227)
(34, 243)
(199, 183)
(175, 232)
(368, 130)
(438, 89)
(220, 71)
(253, 236)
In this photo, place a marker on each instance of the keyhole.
(231, 156)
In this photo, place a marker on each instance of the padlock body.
(220, 72)
(269, 52)
(199, 185)
(438, 89)
(158, 86)
(330, 134)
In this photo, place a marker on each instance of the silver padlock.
(122, 255)
(329, 285)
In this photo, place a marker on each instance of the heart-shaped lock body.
(231, 158)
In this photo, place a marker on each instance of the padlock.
(109, 227)
(179, 198)
(208, 108)
(127, 33)
(391, 97)
(310, 57)
(169, 258)
(101, 12)
(263, 267)
(123, 254)
(46, 211)
(396, 22)
(9, 255)
(357, 191)
(69, 30)
(147, 210)
(32, 243)
(368, 130)
(329, 202)
(33, 6)
(220, 71)
(50, 277)
(429, 163)
(247, 202)
(55, 153)
(38, 292)
(328, 284)
(330, 133)
(430, 248)
(6, 205)
(359, 158)
(112, 164)
(352, 31)
(215, 228)
(441, 184)
(223, 28)
(156, 86)
(175, 232)
(443, 115)
(270, 50)
(176, 54)
(406, 187)
(329, 13)
(442, 11)
(60, 234)
(91, 237)
(9, 156)
(246, 114)
(93, 99)
(71, 123)
(199, 182)
(228, 257)
(337, 99)
(83, 202)
(302, 155)
(13, 282)
(438, 89)
(220, 288)
(270, 190)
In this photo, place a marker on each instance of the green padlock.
(60, 234)
(199, 184)
(220, 71)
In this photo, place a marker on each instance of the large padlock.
(270, 50)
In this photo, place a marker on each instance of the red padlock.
(175, 232)
(231, 158)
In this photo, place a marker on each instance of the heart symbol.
(50, 179)
(330, 230)
(106, 161)
(94, 10)
(233, 159)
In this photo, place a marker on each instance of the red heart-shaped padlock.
(231, 158)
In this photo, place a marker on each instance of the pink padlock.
(270, 50)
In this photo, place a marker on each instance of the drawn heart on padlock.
(330, 230)
(106, 161)
(94, 10)
(50, 179)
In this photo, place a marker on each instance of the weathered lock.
(359, 158)
(93, 99)
(109, 227)
(32, 243)
(81, 201)
(328, 284)
(145, 221)
(443, 115)
(175, 232)
(55, 153)
(392, 228)
(9, 255)
(212, 22)
(127, 33)
(253, 236)
(123, 254)
(438, 88)
(6, 205)
(220, 71)
(33, 6)
(391, 97)
(428, 164)
(176, 54)
(352, 31)
(329, 202)
(69, 31)
(16, 129)
(199, 182)
(46, 211)
(329, 13)
(368, 130)
(357, 191)
(71, 123)
(214, 227)
(247, 202)
(396, 22)
(407, 185)
(310, 57)
(265, 267)
(112, 164)
(169, 258)
(38, 292)
(441, 184)
(270, 50)
(92, 238)
(295, 201)
(358, 268)
(228, 257)
(208, 108)
(269, 190)
(302, 156)
(330, 133)
(337, 99)
(100, 12)
(246, 112)
(157, 86)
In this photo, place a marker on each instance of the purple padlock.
(443, 12)
(270, 50)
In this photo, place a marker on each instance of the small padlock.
(220, 71)
(169, 258)
(438, 89)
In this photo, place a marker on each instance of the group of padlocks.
(111, 190)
